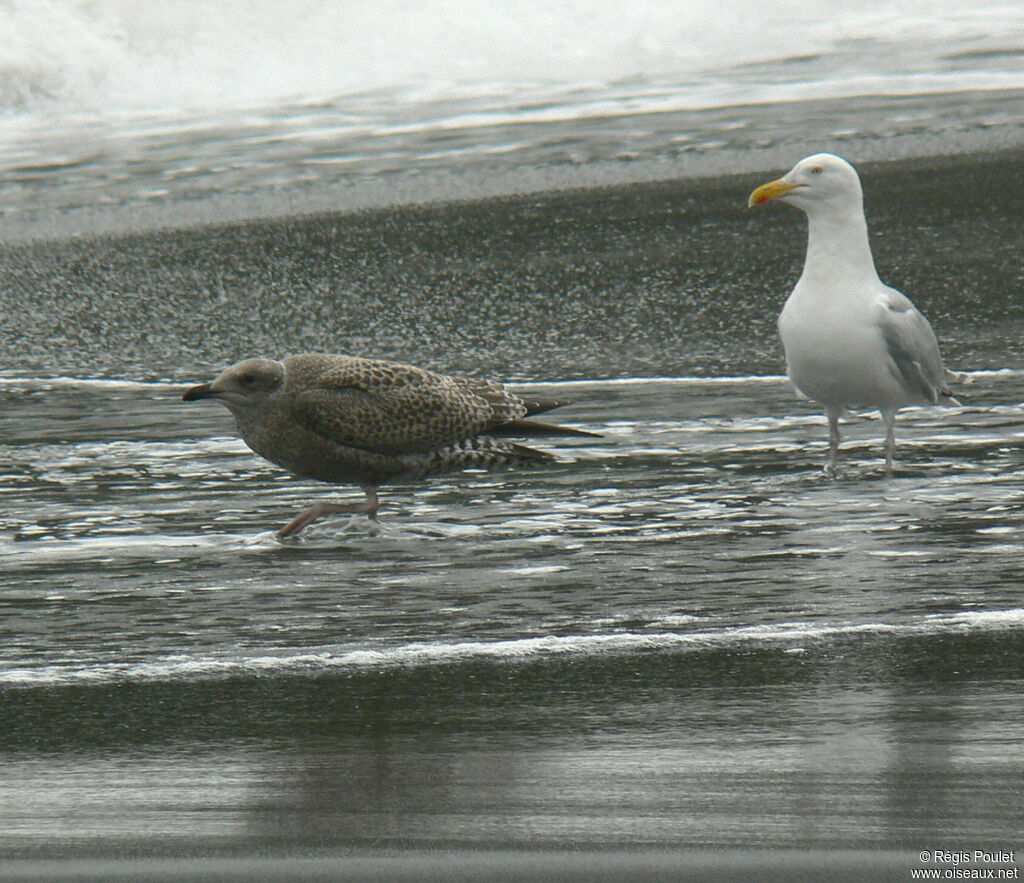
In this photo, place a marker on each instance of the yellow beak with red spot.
(769, 191)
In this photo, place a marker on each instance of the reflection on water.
(662, 750)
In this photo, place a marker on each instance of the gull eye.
(817, 170)
(247, 379)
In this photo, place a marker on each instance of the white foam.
(726, 380)
(121, 56)
(61, 381)
(785, 635)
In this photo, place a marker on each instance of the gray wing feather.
(912, 346)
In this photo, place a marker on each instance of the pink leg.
(890, 440)
(832, 466)
(368, 508)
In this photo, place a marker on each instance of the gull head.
(818, 181)
(245, 387)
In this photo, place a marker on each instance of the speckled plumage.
(344, 419)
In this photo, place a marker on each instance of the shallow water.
(598, 652)
(163, 538)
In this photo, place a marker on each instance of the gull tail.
(539, 406)
(481, 452)
(950, 377)
(534, 428)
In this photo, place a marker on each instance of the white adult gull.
(850, 339)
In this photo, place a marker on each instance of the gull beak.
(769, 191)
(203, 391)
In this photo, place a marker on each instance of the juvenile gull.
(343, 419)
(850, 339)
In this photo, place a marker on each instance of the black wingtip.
(522, 452)
(535, 428)
(540, 406)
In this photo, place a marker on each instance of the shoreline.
(431, 185)
(434, 199)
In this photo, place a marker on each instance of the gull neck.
(837, 243)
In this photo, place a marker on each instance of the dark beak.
(203, 391)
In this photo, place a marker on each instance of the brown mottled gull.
(344, 419)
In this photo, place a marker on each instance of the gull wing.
(912, 346)
(399, 409)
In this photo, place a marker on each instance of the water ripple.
(703, 510)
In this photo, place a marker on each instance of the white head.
(822, 180)
(246, 387)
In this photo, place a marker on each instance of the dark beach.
(661, 279)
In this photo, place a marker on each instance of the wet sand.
(668, 278)
(701, 865)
